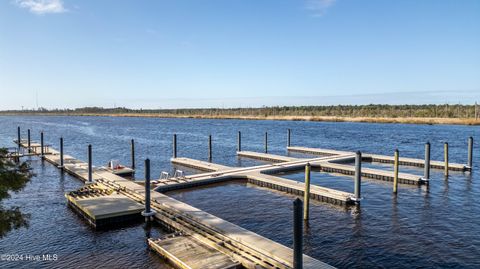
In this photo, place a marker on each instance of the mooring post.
(358, 176)
(297, 234)
(210, 148)
(28, 140)
(61, 153)
(395, 172)
(426, 171)
(19, 139)
(266, 142)
(90, 172)
(132, 153)
(445, 149)
(288, 137)
(306, 196)
(239, 142)
(470, 153)
(174, 145)
(148, 213)
(42, 151)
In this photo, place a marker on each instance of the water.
(424, 227)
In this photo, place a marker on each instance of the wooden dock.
(250, 249)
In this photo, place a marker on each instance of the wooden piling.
(445, 151)
(288, 137)
(174, 145)
(266, 142)
(239, 141)
(306, 196)
(132, 153)
(426, 171)
(210, 148)
(395, 172)
(358, 175)
(90, 172)
(297, 234)
(470, 153)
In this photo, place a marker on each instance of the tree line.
(372, 110)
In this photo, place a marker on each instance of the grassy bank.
(408, 120)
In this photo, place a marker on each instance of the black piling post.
(132, 152)
(210, 148)
(29, 141)
(174, 145)
(19, 138)
(266, 142)
(42, 145)
(358, 176)
(470, 153)
(288, 137)
(426, 171)
(90, 172)
(297, 234)
(148, 213)
(239, 142)
(61, 152)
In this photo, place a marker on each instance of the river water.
(429, 227)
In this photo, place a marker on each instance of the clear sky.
(195, 53)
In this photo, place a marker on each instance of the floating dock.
(102, 207)
(251, 250)
(184, 251)
(382, 158)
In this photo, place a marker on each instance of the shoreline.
(403, 120)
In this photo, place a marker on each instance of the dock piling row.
(174, 145)
(210, 148)
(239, 141)
(426, 171)
(288, 137)
(132, 153)
(266, 142)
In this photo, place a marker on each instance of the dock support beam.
(42, 145)
(445, 149)
(306, 194)
(358, 176)
(426, 171)
(266, 142)
(239, 142)
(395, 172)
(19, 138)
(297, 234)
(61, 153)
(470, 153)
(210, 148)
(29, 141)
(90, 176)
(148, 213)
(174, 146)
(288, 137)
(132, 152)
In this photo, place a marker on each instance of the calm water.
(432, 227)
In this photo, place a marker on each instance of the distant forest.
(373, 110)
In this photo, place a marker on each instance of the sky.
(237, 53)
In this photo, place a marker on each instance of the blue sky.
(197, 53)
